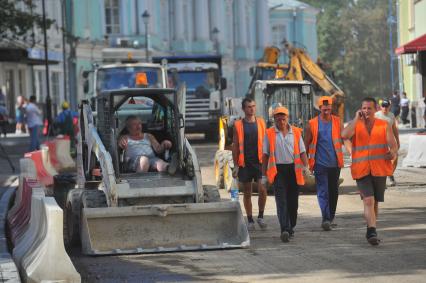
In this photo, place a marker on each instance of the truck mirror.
(223, 83)
(251, 71)
(85, 74)
(86, 86)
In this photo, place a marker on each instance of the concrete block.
(48, 261)
(416, 156)
(52, 154)
(46, 160)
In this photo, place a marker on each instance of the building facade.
(412, 61)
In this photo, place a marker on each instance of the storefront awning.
(414, 46)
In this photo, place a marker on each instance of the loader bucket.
(163, 228)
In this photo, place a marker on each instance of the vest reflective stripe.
(271, 171)
(369, 151)
(336, 139)
(239, 127)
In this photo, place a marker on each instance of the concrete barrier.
(416, 156)
(52, 154)
(17, 222)
(24, 243)
(8, 269)
(63, 146)
(46, 260)
(45, 155)
(42, 174)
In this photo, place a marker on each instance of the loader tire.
(72, 218)
(221, 158)
(211, 194)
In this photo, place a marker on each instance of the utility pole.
(46, 62)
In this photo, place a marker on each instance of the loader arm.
(299, 61)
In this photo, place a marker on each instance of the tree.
(353, 40)
(16, 23)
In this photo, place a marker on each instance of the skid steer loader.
(116, 211)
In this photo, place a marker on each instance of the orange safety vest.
(271, 170)
(240, 134)
(368, 151)
(335, 136)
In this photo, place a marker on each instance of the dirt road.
(341, 255)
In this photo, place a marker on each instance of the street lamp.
(145, 18)
(215, 36)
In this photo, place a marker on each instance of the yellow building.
(412, 53)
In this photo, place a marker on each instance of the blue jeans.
(35, 138)
(327, 181)
(286, 193)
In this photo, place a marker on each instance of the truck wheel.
(211, 194)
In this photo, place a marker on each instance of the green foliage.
(353, 38)
(15, 23)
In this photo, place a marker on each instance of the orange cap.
(280, 110)
(323, 99)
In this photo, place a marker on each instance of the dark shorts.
(251, 172)
(369, 186)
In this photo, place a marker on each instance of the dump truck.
(114, 210)
(122, 75)
(202, 75)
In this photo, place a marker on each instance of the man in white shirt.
(385, 114)
(34, 122)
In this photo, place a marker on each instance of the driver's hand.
(167, 144)
(122, 142)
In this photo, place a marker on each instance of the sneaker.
(262, 223)
(372, 236)
(251, 226)
(171, 169)
(333, 224)
(326, 226)
(285, 237)
(291, 234)
(392, 182)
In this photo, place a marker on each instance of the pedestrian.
(405, 104)
(34, 122)
(247, 152)
(388, 116)
(284, 162)
(64, 122)
(373, 148)
(4, 118)
(396, 104)
(20, 114)
(324, 142)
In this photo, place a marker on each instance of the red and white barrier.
(42, 174)
(45, 155)
(63, 146)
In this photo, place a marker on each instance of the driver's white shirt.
(136, 148)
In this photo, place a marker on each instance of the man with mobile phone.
(373, 149)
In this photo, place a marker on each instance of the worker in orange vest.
(324, 143)
(284, 160)
(247, 154)
(373, 148)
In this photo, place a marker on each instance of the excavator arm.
(299, 61)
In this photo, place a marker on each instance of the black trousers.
(286, 192)
(404, 115)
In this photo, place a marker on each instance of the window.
(112, 16)
(54, 79)
(279, 33)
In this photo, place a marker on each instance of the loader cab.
(156, 108)
(297, 96)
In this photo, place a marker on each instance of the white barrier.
(45, 155)
(416, 156)
(65, 160)
(47, 260)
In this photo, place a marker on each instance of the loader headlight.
(306, 89)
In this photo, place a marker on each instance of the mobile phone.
(361, 114)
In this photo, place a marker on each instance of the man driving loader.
(141, 149)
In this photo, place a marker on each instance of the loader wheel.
(220, 160)
(211, 194)
(71, 227)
